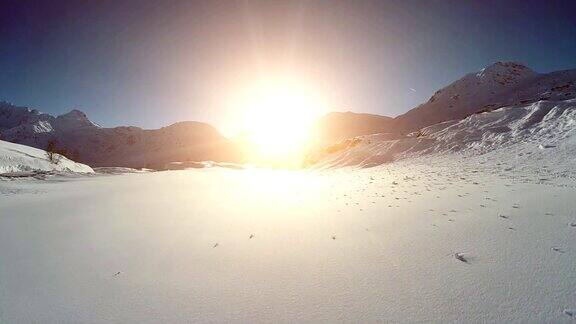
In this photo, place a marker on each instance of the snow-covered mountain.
(89, 143)
(503, 108)
(21, 158)
(498, 85)
(530, 135)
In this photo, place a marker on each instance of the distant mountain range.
(502, 84)
(87, 142)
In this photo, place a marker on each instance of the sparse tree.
(53, 154)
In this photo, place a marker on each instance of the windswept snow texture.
(15, 158)
(447, 239)
(541, 131)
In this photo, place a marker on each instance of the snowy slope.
(21, 158)
(531, 130)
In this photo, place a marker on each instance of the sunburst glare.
(277, 117)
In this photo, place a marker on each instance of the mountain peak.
(74, 113)
(512, 69)
(75, 118)
(508, 64)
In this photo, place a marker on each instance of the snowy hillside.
(498, 85)
(21, 158)
(529, 131)
(89, 143)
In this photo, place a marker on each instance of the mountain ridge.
(127, 146)
(501, 84)
(497, 85)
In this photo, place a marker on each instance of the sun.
(277, 120)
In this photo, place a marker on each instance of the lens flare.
(277, 120)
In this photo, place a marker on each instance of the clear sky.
(152, 63)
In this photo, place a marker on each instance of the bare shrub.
(53, 154)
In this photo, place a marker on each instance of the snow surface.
(381, 244)
(21, 158)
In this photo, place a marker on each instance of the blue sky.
(152, 63)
